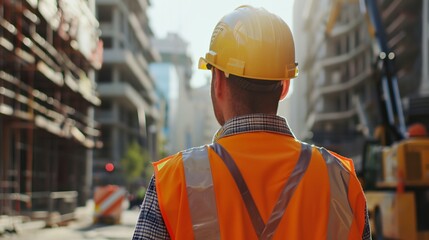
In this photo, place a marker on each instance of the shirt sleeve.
(366, 230)
(150, 224)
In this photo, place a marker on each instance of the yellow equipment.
(406, 163)
(253, 43)
(399, 191)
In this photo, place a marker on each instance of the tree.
(136, 164)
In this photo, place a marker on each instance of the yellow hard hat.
(253, 43)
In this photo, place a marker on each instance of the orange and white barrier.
(108, 203)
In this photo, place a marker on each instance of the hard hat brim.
(293, 72)
(202, 64)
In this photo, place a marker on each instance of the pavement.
(82, 227)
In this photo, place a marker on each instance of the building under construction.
(336, 93)
(48, 53)
(128, 112)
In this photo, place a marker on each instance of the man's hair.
(256, 85)
(253, 95)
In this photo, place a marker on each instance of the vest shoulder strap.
(340, 212)
(201, 197)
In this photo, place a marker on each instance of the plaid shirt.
(150, 224)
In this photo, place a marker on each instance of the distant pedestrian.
(256, 180)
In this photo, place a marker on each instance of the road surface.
(82, 228)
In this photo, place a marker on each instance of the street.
(83, 228)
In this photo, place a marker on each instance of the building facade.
(337, 50)
(424, 90)
(189, 119)
(173, 75)
(170, 89)
(126, 88)
(407, 28)
(48, 53)
(337, 70)
(205, 123)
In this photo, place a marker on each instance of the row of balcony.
(57, 66)
(43, 74)
(128, 96)
(133, 63)
(130, 51)
(334, 89)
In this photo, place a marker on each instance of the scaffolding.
(48, 53)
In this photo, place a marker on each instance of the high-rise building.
(126, 88)
(336, 71)
(48, 53)
(173, 75)
(189, 119)
(205, 123)
(173, 49)
(172, 94)
(424, 89)
(337, 50)
(407, 31)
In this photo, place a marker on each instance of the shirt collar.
(254, 123)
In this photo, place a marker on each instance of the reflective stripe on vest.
(340, 213)
(202, 203)
(201, 197)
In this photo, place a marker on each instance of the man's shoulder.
(345, 162)
(167, 161)
(175, 160)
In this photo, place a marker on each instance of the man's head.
(252, 58)
(234, 96)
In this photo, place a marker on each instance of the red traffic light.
(109, 167)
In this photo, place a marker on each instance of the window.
(106, 105)
(107, 42)
(105, 137)
(104, 75)
(105, 13)
(347, 44)
(338, 48)
(357, 37)
(352, 68)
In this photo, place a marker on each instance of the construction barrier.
(108, 204)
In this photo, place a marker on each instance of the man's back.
(267, 161)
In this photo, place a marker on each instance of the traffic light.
(109, 167)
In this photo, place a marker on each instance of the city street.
(83, 228)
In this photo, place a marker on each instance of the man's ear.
(285, 89)
(219, 82)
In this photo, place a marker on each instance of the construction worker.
(256, 180)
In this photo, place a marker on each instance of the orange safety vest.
(296, 191)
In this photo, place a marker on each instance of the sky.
(194, 21)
